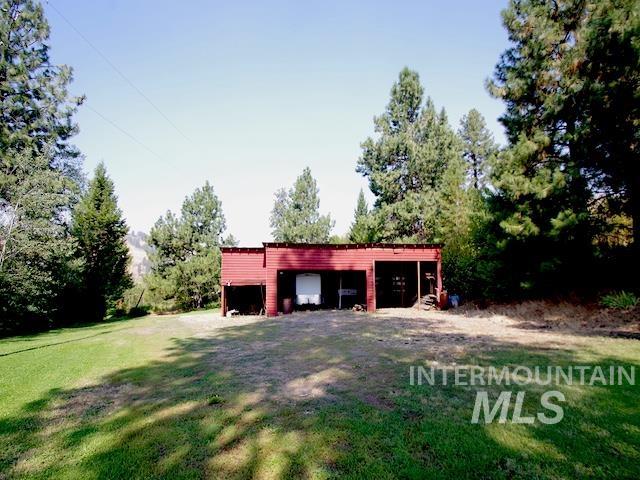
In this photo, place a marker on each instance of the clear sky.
(260, 90)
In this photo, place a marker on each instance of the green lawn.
(319, 395)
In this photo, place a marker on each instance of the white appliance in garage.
(308, 289)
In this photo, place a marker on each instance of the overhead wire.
(125, 78)
(124, 132)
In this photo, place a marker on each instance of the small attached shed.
(243, 279)
(263, 279)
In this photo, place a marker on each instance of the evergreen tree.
(454, 204)
(363, 228)
(560, 102)
(478, 147)
(296, 213)
(230, 241)
(202, 220)
(36, 109)
(101, 234)
(459, 211)
(279, 219)
(407, 161)
(186, 259)
(362, 207)
(336, 239)
(417, 171)
(40, 171)
(605, 76)
(36, 253)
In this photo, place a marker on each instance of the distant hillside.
(139, 250)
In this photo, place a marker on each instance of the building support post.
(223, 300)
(371, 288)
(272, 292)
(439, 281)
(419, 289)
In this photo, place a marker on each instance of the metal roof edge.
(242, 249)
(338, 246)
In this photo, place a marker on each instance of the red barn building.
(268, 278)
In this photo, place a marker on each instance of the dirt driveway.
(327, 353)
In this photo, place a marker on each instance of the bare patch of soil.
(305, 356)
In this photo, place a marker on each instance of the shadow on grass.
(53, 344)
(53, 332)
(302, 397)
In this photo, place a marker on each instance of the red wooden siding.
(337, 257)
(261, 265)
(243, 266)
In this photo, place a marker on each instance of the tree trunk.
(5, 241)
(634, 194)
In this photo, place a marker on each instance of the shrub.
(117, 312)
(621, 300)
(216, 400)
(140, 311)
(134, 303)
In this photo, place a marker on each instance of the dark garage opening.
(246, 299)
(352, 282)
(397, 283)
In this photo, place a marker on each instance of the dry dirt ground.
(320, 354)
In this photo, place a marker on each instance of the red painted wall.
(255, 266)
(243, 266)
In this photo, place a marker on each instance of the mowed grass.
(323, 395)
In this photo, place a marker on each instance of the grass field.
(315, 395)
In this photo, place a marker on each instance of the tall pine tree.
(296, 213)
(571, 82)
(405, 164)
(36, 109)
(186, 259)
(101, 233)
(478, 147)
(540, 205)
(605, 76)
(39, 170)
(363, 229)
(37, 256)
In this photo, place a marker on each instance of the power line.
(123, 131)
(119, 72)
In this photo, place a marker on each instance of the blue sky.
(260, 90)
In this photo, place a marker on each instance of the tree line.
(555, 209)
(62, 252)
